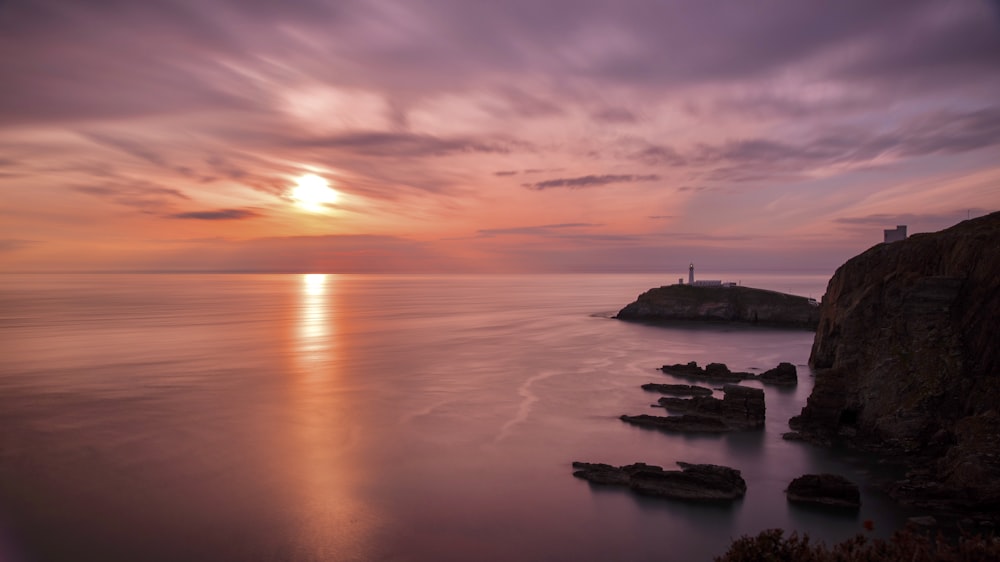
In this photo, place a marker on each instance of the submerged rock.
(694, 482)
(824, 489)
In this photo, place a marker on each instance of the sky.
(500, 136)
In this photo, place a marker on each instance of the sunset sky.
(510, 135)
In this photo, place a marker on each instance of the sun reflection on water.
(314, 325)
(335, 523)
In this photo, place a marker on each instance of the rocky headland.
(694, 482)
(907, 361)
(727, 304)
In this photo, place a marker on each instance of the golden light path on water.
(335, 523)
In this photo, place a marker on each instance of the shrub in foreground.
(773, 546)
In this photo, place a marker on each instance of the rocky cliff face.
(907, 355)
(733, 304)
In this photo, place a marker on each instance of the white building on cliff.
(895, 234)
(704, 282)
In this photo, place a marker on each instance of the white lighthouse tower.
(691, 274)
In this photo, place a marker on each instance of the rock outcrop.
(741, 408)
(678, 389)
(907, 361)
(717, 372)
(785, 374)
(729, 304)
(694, 482)
(829, 490)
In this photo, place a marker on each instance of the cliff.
(739, 304)
(907, 360)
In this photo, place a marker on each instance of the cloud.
(614, 115)
(590, 181)
(14, 244)
(143, 195)
(939, 220)
(653, 155)
(217, 215)
(305, 254)
(758, 159)
(505, 173)
(540, 230)
(393, 144)
(130, 147)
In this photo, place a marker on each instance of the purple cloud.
(218, 215)
(590, 181)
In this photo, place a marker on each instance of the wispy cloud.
(142, 195)
(590, 181)
(14, 244)
(217, 215)
(756, 159)
(540, 230)
(890, 220)
(377, 143)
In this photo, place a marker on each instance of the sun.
(312, 192)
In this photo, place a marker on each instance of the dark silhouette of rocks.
(678, 389)
(824, 489)
(741, 408)
(687, 423)
(785, 374)
(907, 362)
(694, 482)
(729, 304)
(717, 372)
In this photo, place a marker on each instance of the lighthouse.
(691, 274)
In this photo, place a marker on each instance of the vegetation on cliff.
(906, 545)
(731, 304)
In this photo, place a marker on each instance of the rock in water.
(678, 389)
(740, 408)
(717, 372)
(908, 361)
(824, 489)
(785, 374)
(694, 482)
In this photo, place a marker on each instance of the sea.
(330, 417)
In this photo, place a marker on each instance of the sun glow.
(313, 193)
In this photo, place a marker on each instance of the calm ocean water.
(382, 417)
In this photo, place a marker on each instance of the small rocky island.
(907, 361)
(694, 482)
(785, 374)
(722, 303)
